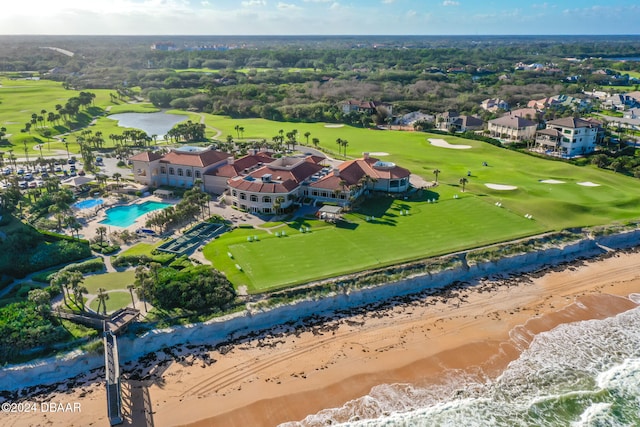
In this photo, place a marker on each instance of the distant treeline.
(306, 78)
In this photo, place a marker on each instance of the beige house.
(569, 137)
(512, 128)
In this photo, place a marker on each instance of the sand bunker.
(551, 181)
(588, 184)
(379, 153)
(334, 126)
(501, 187)
(444, 144)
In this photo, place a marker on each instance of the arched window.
(266, 199)
(171, 171)
(253, 198)
(243, 197)
(180, 172)
(198, 175)
(189, 173)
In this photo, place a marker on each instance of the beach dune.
(294, 372)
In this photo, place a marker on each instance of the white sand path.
(444, 144)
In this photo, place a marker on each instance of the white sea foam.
(580, 374)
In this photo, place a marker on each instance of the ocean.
(583, 374)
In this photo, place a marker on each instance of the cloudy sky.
(259, 17)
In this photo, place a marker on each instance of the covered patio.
(330, 213)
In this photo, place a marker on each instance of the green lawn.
(116, 301)
(430, 229)
(109, 281)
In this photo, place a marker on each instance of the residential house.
(451, 120)
(526, 113)
(512, 128)
(494, 104)
(569, 136)
(368, 107)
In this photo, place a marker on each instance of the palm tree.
(315, 142)
(75, 283)
(345, 143)
(103, 296)
(436, 172)
(237, 128)
(116, 176)
(131, 288)
(307, 134)
(66, 145)
(101, 232)
(463, 182)
(277, 204)
(141, 282)
(339, 142)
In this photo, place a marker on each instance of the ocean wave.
(580, 374)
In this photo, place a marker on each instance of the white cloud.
(411, 13)
(288, 6)
(388, 1)
(251, 3)
(450, 3)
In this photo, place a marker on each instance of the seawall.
(53, 370)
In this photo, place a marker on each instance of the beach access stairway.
(117, 322)
(112, 374)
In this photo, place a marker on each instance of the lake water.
(152, 123)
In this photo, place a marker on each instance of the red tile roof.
(351, 173)
(283, 179)
(239, 165)
(146, 156)
(197, 159)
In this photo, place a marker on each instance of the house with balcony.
(351, 179)
(569, 137)
(510, 128)
(451, 120)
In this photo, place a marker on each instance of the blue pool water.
(88, 203)
(124, 216)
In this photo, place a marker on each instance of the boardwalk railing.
(112, 373)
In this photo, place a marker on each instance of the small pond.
(152, 123)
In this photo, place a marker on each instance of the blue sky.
(228, 17)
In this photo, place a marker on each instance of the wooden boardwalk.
(112, 374)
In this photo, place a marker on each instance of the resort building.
(215, 180)
(452, 121)
(351, 179)
(178, 168)
(512, 128)
(569, 136)
(259, 183)
(274, 186)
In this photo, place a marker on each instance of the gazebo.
(330, 213)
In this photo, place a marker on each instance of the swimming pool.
(88, 203)
(124, 216)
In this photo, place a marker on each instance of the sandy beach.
(299, 370)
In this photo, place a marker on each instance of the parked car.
(7, 171)
(71, 161)
(58, 168)
(22, 184)
(28, 176)
(20, 171)
(81, 172)
(72, 168)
